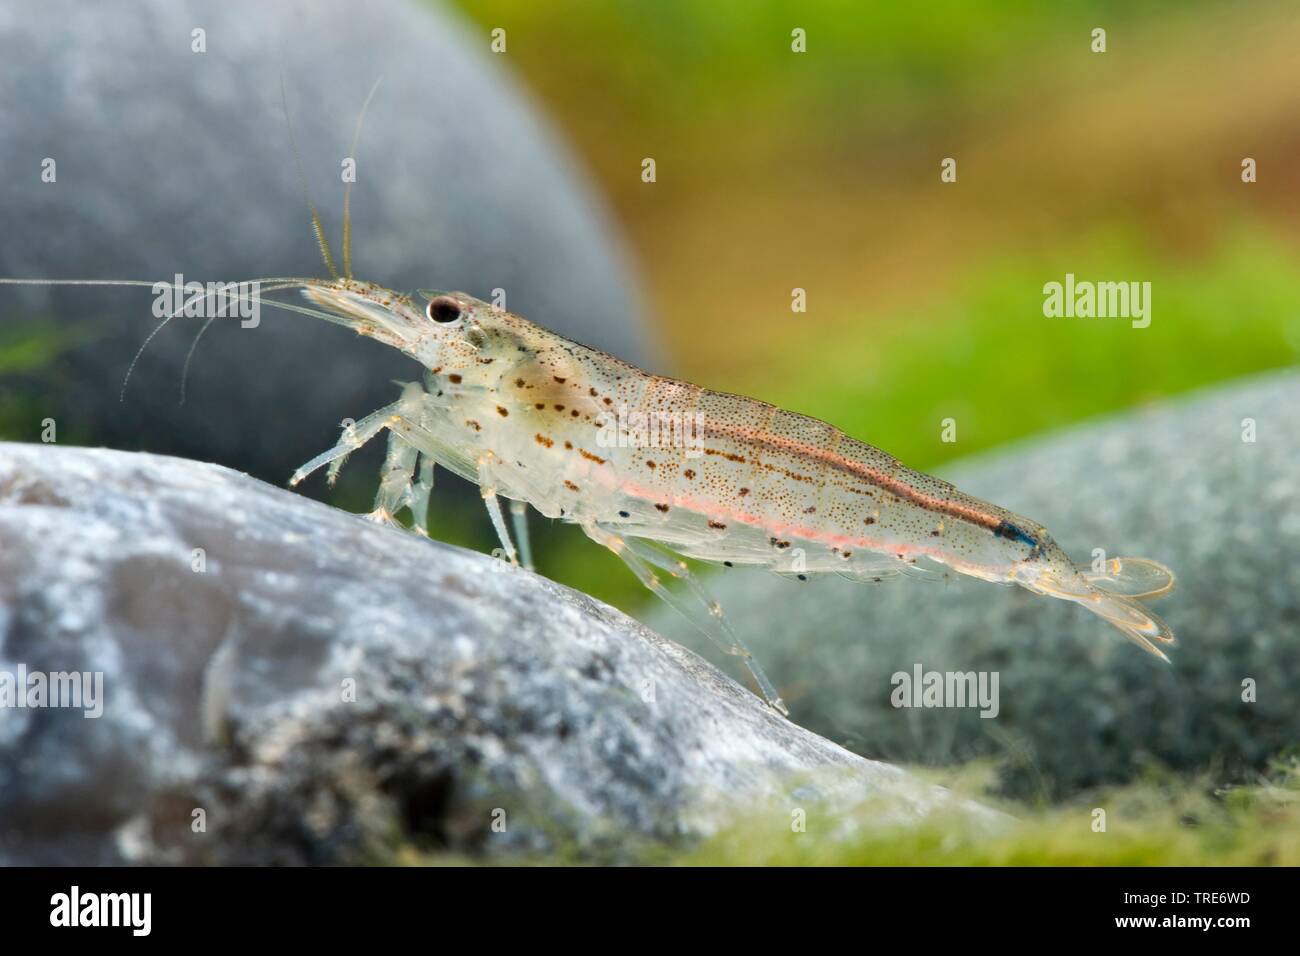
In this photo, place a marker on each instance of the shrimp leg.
(353, 437)
(395, 491)
(705, 613)
(410, 441)
(421, 493)
(398, 485)
(356, 434)
(519, 518)
(487, 488)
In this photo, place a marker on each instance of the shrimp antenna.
(325, 252)
(317, 227)
(347, 189)
(286, 281)
(276, 282)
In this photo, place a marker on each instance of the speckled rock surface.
(325, 690)
(170, 161)
(1079, 704)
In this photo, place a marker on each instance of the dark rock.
(479, 690)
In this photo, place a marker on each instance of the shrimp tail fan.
(1118, 587)
(1133, 619)
(1138, 578)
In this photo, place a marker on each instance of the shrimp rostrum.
(539, 420)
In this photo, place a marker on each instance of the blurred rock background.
(175, 161)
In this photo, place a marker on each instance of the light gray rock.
(170, 161)
(1079, 705)
(479, 689)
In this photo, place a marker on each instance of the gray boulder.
(170, 161)
(314, 688)
(1080, 706)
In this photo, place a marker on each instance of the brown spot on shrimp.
(454, 378)
(543, 440)
(501, 410)
(570, 485)
(729, 455)
(590, 457)
(717, 525)
(662, 507)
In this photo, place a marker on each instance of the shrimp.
(533, 418)
(526, 415)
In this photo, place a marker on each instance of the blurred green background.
(820, 170)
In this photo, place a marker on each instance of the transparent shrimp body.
(657, 469)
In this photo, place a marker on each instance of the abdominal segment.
(734, 481)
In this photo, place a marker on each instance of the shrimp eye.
(443, 309)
